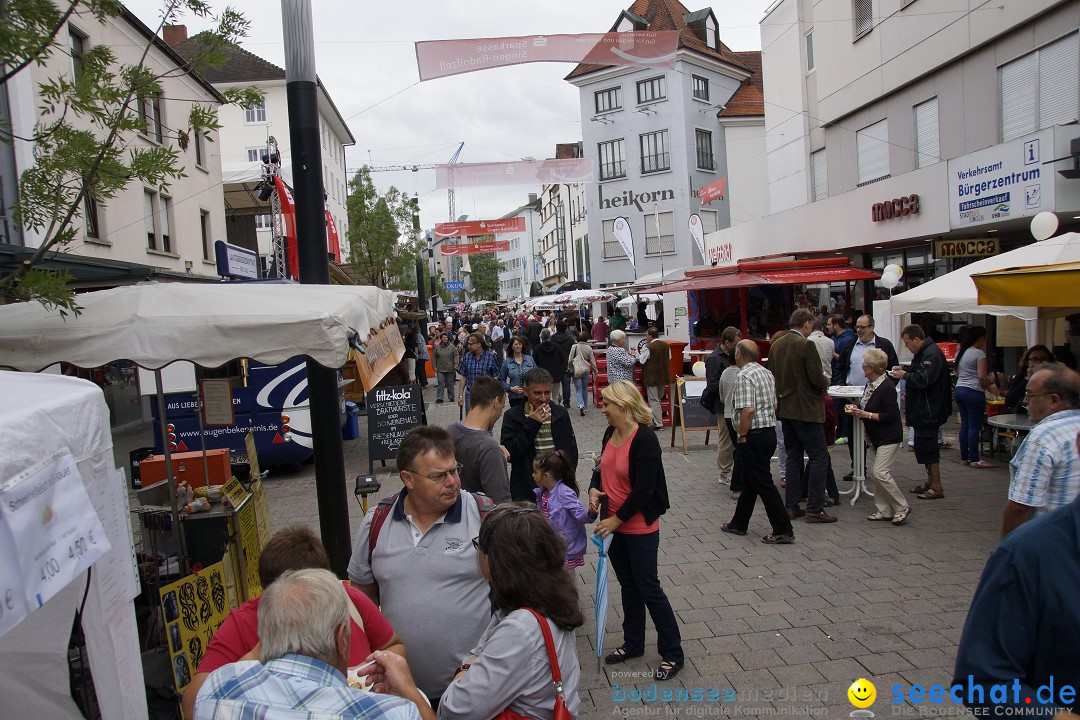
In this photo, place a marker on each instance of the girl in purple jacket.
(557, 498)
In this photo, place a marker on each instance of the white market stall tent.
(955, 292)
(43, 416)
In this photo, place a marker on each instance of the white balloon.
(895, 270)
(1044, 225)
(699, 369)
(890, 280)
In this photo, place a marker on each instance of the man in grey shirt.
(483, 460)
(423, 570)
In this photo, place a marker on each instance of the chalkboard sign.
(391, 413)
(691, 415)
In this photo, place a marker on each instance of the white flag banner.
(698, 233)
(523, 172)
(622, 232)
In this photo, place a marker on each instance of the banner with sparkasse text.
(443, 58)
(480, 247)
(480, 227)
(525, 172)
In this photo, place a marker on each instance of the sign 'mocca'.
(898, 207)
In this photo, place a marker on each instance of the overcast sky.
(366, 60)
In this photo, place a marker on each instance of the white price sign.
(56, 532)
(12, 601)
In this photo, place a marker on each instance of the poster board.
(690, 415)
(392, 412)
(193, 608)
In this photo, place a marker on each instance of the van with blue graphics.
(269, 400)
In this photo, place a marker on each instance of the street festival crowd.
(461, 600)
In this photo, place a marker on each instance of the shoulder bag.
(560, 711)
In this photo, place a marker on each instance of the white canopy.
(634, 298)
(956, 291)
(154, 324)
(43, 415)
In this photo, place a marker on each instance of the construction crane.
(450, 200)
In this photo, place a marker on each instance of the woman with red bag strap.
(525, 664)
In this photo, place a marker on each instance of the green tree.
(484, 271)
(85, 141)
(382, 245)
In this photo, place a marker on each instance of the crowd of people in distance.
(461, 599)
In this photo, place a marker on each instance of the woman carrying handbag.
(525, 665)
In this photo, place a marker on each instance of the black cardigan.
(887, 429)
(648, 484)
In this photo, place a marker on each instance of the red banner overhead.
(442, 58)
(480, 227)
(525, 172)
(712, 191)
(468, 248)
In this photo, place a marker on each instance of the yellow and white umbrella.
(1042, 286)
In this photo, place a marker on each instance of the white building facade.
(655, 140)
(521, 262)
(914, 126)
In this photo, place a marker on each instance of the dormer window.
(703, 24)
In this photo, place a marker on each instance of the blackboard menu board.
(692, 414)
(391, 413)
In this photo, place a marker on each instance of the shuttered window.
(1040, 89)
(927, 136)
(873, 147)
(863, 12)
(820, 175)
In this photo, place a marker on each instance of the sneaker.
(725, 480)
(850, 477)
(582, 410)
(438, 401)
(841, 441)
(787, 539)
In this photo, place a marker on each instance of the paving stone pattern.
(771, 630)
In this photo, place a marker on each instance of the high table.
(1019, 423)
(858, 443)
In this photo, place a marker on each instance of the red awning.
(713, 282)
(798, 273)
(817, 275)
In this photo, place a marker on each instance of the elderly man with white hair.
(304, 653)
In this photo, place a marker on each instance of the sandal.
(668, 670)
(620, 655)
(964, 462)
(919, 489)
(900, 517)
(931, 494)
(981, 464)
(878, 516)
(779, 539)
(728, 528)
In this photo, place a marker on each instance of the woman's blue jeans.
(972, 406)
(582, 384)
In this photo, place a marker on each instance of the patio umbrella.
(1043, 286)
(600, 598)
(582, 297)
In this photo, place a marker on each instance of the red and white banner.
(333, 240)
(625, 235)
(526, 172)
(288, 210)
(480, 227)
(468, 248)
(712, 191)
(442, 58)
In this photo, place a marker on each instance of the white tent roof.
(632, 300)
(154, 324)
(956, 292)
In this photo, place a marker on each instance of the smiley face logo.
(862, 693)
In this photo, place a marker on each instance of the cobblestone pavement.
(774, 630)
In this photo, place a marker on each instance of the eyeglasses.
(440, 477)
(863, 327)
(1029, 394)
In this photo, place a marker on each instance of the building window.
(704, 150)
(1040, 89)
(254, 154)
(207, 242)
(256, 113)
(701, 87)
(612, 160)
(872, 144)
(819, 189)
(612, 247)
(200, 148)
(708, 221)
(863, 12)
(664, 243)
(651, 90)
(927, 139)
(150, 114)
(608, 100)
(91, 217)
(157, 213)
(810, 50)
(654, 152)
(77, 47)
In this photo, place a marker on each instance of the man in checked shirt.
(754, 401)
